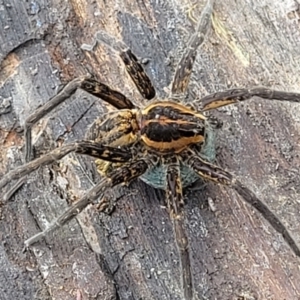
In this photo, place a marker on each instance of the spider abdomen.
(156, 176)
(171, 127)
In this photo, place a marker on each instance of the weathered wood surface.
(132, 254)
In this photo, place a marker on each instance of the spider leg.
(175, 205)
(185, 66)
(218, 175)
(104, 92)
(86, 83)
(125, 174)
(13, 189)
(237, 95)
(81, 147)
(132, 65)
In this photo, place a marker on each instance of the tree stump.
(132, 254)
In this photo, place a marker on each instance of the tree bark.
(132, 254)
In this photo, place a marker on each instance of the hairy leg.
(125, 174)
(237, 95)
(132, 65)
(184, 68)
(175, 206)
(86, 83)
(218, 175)
(82, 147)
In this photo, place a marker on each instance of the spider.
(164, 143)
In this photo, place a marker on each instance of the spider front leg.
(237, 95)
(132, 65)
(96, 88)
(86, 83)
(218, 175)
(123, 175)
(175, 205)
(184, 68)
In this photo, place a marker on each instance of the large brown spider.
(163, 143)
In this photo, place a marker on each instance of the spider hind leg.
(125, 174)
(218, 175)
(175, 205)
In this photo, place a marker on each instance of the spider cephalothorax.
(165, 127)
(169, 127)
(164, 143)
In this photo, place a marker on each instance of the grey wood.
(132, 253)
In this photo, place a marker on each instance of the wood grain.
(132, 253)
